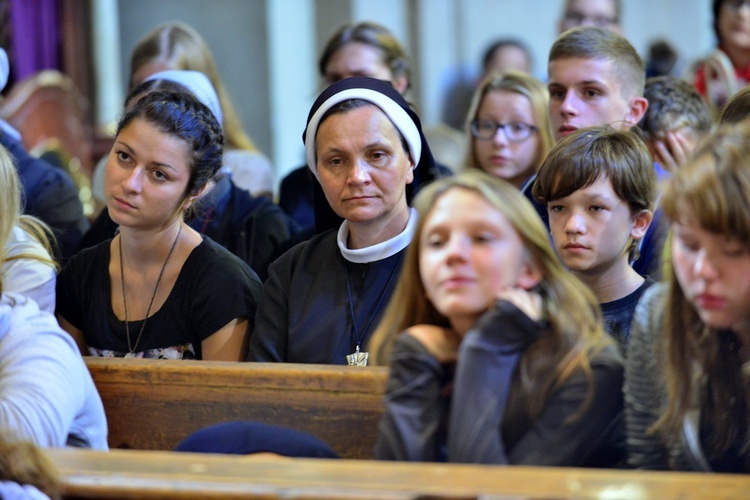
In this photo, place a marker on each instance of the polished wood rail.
(128, 474)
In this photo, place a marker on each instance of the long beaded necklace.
(359, 358)
(131, 350)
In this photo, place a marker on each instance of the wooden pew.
(154, 404)
(131, 474)
(48, 105)
(53, 119)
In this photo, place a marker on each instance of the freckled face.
(146, 176)
(362, 165)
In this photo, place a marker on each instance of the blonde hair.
(11, 216)
(24, 463)
(575, 332)
(185, 49)
(737, 108)
(519, 83)
(703, 366)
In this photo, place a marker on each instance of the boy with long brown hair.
(599, 186)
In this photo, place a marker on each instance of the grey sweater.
(432, 415)
(645, 391)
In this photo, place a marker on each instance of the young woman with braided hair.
(158, 289)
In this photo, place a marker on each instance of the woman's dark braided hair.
(181, 115)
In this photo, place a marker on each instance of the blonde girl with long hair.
(497, 353)
(508, 127)
(26, 243)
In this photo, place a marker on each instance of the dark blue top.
(49, 194)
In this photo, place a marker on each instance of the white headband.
(393, 111)
(197, 83)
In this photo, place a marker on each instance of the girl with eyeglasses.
(508, 127)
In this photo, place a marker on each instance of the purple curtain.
(35, 36)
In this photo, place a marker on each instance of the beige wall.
(267, 50)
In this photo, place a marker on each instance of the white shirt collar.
(378, 251)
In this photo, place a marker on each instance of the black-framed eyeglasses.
(514, 131)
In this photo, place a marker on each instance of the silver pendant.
(130, 355)
(358, 358)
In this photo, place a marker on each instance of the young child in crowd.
(687, 389)
(599, 186)
(508, 128)
(597, 78)
(497, 352)
(676, 119)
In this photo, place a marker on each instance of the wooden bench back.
(48, 105)
(154, 404)
(53, 119)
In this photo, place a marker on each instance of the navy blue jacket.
(50, 194)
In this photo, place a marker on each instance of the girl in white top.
(26, 265)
